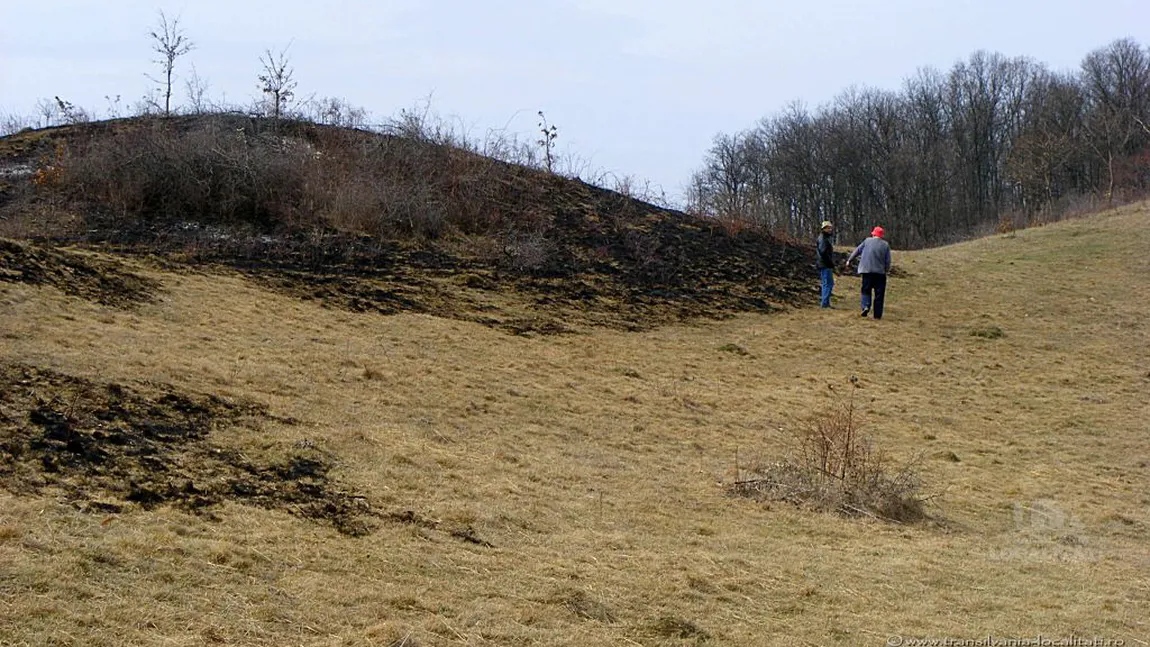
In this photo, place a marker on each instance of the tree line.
(993, 142)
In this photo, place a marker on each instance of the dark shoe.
(865, 312)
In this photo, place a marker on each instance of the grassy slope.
(595, 465)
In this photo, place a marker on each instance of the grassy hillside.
(204, 460)
(269, 396)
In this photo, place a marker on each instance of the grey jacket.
(874, 256)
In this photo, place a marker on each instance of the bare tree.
(1116, 79)
(1042, 157)
(277, 81)
(46, 113)
(170, 42)
(723, 187)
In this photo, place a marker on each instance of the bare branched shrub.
(58, 112)
(196, 88)
(421, 123)
(11, 123)
(641, 246)
(637, 188)
(1006, 223)
(835, 467)
(115, 108)
(527, 250)
(333, 111)
(508, 147)
(383, 208)
(233, 170)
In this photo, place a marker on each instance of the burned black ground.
(109, 447)
(102, 281)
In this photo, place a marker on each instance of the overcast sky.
(635, 86)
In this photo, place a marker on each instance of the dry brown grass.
(596, 467)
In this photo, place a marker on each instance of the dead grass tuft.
(678, 628)
(584, 606)
(8, 532)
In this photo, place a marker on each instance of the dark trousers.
(873, 283)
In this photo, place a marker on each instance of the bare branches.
(170, 42)
(277, 81)
(196, 88)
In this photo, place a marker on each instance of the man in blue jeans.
(826, 261)
(874, 264)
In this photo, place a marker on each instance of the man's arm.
(887, 260)
(858, 250)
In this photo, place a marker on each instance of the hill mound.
(376, 222)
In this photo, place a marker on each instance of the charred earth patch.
(109, 447)
(104, 282)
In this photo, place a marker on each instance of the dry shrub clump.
(157, 173)
(243, 174)
(835, 467)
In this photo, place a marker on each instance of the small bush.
(988, 332)
(835, 467)
(735, 349)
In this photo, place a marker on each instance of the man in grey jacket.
(874, 263)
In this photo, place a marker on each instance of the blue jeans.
(828, 277)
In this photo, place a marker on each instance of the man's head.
(828, 227)
(877, 232)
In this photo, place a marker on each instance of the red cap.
(877, 232)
